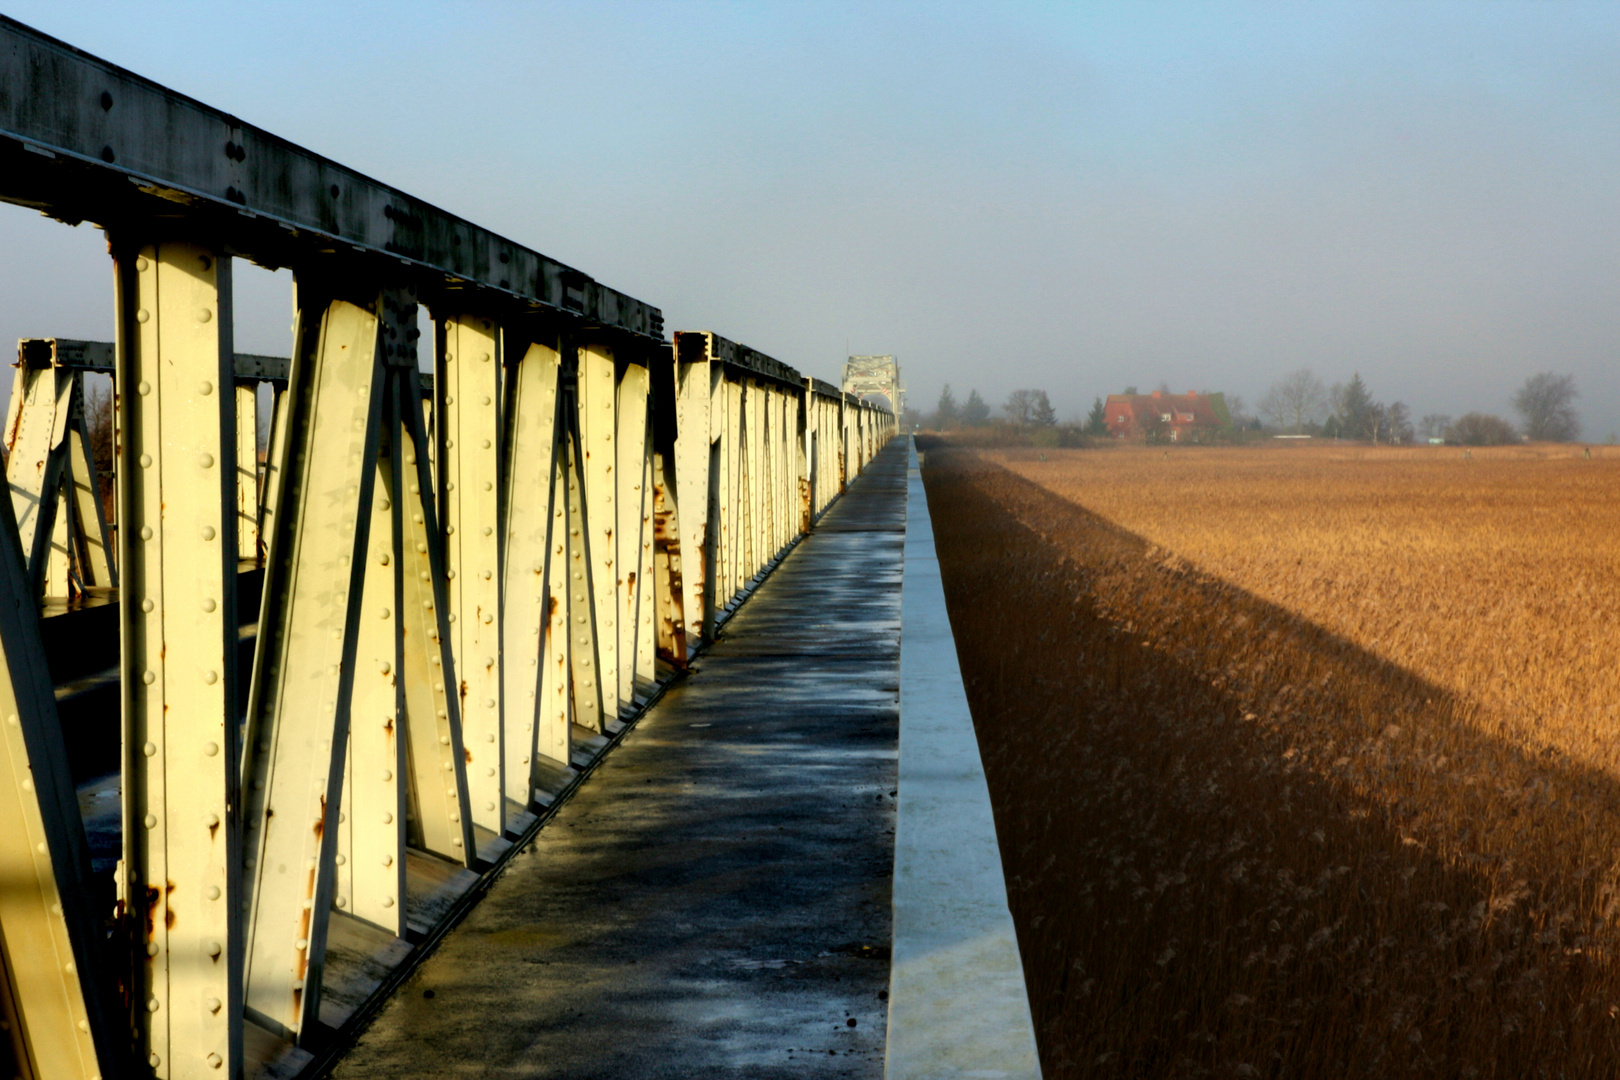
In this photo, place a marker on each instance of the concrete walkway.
(715, 900)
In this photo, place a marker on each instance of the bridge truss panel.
(471, 579)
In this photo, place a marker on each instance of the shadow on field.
(1238, 845)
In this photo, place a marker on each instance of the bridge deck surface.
(715, 899)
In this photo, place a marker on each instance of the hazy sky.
(1060, 196)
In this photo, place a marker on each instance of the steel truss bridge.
(348, 681)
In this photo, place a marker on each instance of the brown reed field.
(1304, 760)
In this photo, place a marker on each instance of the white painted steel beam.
(693, 379)
(468, 431)
(177, 551)
(36, 429)
(304, 666)
(533, 519)
(247, 472)
(631, 499)
(646, 612)
(734, 498)
(438, 815)
(586, 672)
(597, 461)
(670, 583)
(58, 1018)
(54, 483)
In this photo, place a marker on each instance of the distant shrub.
(1481, 429)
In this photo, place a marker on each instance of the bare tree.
(1020, 406)
(1547, 403)
(1238, 410)
(1295, 399)
(1397, 423)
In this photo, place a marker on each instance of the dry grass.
(1303, 760)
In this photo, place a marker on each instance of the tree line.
(1300, 404)
(1025, 408)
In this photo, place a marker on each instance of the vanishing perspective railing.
(469, 579)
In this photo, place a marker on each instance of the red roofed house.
(1183, 416)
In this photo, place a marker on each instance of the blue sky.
(1061, 196)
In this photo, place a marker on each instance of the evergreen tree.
(945, 415)
(976, 411)
(1043, 415)
(1097, 419)
(1359, 413)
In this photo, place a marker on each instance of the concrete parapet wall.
(957, 1002)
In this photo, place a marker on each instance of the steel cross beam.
(85, 140)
